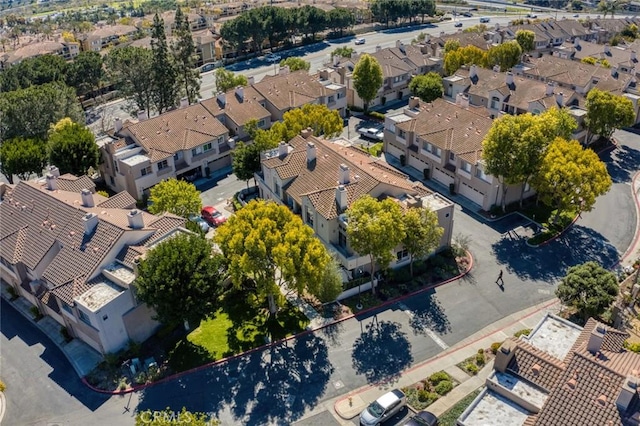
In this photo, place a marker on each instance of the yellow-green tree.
(607, 112)
(268, 244)
(318, 117)
(295, 64)
(423, 233)
(175, 196)
(525, 39)
(72, 147)
(505, 55)
(467, 55)
(375, 228)
(367, 78)
(571, 177)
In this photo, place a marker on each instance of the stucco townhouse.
(73, 254)
(107, 36)
(64, 49)
(319, 180)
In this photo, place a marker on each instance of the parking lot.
(398, 420)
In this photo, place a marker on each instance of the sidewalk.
(350, 405)
(81, 356)
(633, 252)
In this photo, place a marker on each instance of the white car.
(375, 133)
(360, 41)
(273, 57)
(383, 408)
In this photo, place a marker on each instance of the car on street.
(374, 133)
(273, 57)
(360, 41)
(457, 24)
(484, 20)
(423, 418)
(207, 67)
(198, 220)
(532, 15)
(467, 14)
(576, 16)
(212, 216)
(383, 408)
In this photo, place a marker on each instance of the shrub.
(495, 347)
(480, 359)
(438, 377)
(427, 397)
(2, 386)
(37, 315)
(376, 115)
(103, 193)
(480, 351)
(633, 347)
(471, 368)
(355, 109)
(444, 387)
(13, 293)
(141, 378)
(523, 332)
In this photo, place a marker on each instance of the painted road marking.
(427, 330)
(544, 291)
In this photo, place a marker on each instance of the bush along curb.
(277, 342)
(556, 236)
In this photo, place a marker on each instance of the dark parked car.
(423, 418)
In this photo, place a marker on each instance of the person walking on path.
(500, 281)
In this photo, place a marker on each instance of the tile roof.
(392, 65)
(293, 90)
(176, 130)
(71, 183)
(239, 110)
(526, 357)
(318, 181)
(413, 56)
(121, 200)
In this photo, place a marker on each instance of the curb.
(636, 238)
(440, 355)
(277, 342)
(3, 406)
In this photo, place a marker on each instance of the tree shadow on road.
(275, 385)
(381, 352)
(622, 163)
(550, 262)
(332, 333)
(430, 315)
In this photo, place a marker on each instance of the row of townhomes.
(319, 180)
(197, 140)
(73, 254)
(561, 374)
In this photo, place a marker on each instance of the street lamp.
(359, 305)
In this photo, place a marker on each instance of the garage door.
(394, 151)
(220, 163)
(417, 163)
(471, 193)
(441, 176)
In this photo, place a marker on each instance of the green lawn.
(242, 323)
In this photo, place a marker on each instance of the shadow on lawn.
(275, 385)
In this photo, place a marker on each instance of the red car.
(212, 216)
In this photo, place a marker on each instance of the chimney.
(628, 391)
(341, 197)
(142, 115)
(378, 48)
(284, 70)
(344, 174)
(222, 99)
(576, 42)
(473, 71)
(135, 219)
(464, 100)
(509, 78)
(550, 87)
(606, 49)
(251, 80)
(305, 133)
(90, 222)
(595, 339)
(614, 72)
(504, 355)
(283, 149)
(398, 44)
(53, 171)
(497, 26)
(633, 56)
(117, 125)
(311, 152)
(336, 60)
(240, 93)
(184, 102)
(52, 182)
(87, 198)
(414, 102)
(560, 99)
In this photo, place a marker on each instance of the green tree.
(163, 72)
(367, 78)
(246, 161)
(267, 243)
(525, 39)
(506, 55)
(423, 233)
(186, 57)
(22, 157)
(375, 229)
(295, 64)
(451, 45)
(181, 279)
(427, 87)
(168, 418)
(340, 19)
(343, 52)
(468, 55)
(72, 147)
(34, 72)
(606, 113)
(86, 72)
(129, 68)
(589, 288)
(226, 80)
(175, 196)
(329, 286)
(30, 112)
(318, 117)
(571, 177)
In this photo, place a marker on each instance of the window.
(466, 167)
(402, 134)
(196, 151)
(83, 317)
(339, 95)
(495, 101)
(221, 139)
(330, 99)
(206, 147)
(67, 308)
(112, 180)
(437, 152)
(401, 255)
(309, 218)
(452, 156)
(163, 165)
(480, 174)
(115, 165)
(177, 156)
(261, 123)
(147, 170)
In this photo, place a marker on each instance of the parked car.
(423, 418)
(375, 133)
(200, 222)
(207, 67)
(273, 57)
(212, 216)
(457, 24)
(383, 408)
(360, 41)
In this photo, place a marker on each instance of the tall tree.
(330, 285)
(184, 50)
(427, 87)
(181, 279)
(606, 113)
(22, 157)
(505, 55)
(526, 40)
(175, 196)
(34, 71)
(295, 64)
(72, 147)
(468, 55)
(226, 80)
(571, 177)
(164, 73)
(367, 78)
(267, 243)
(423, 233)
(130, 68)
(340, 19)
(375, 228)
(30, 112)
(86, 72)
(318, 117)
(246, 161)
(589, 288)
